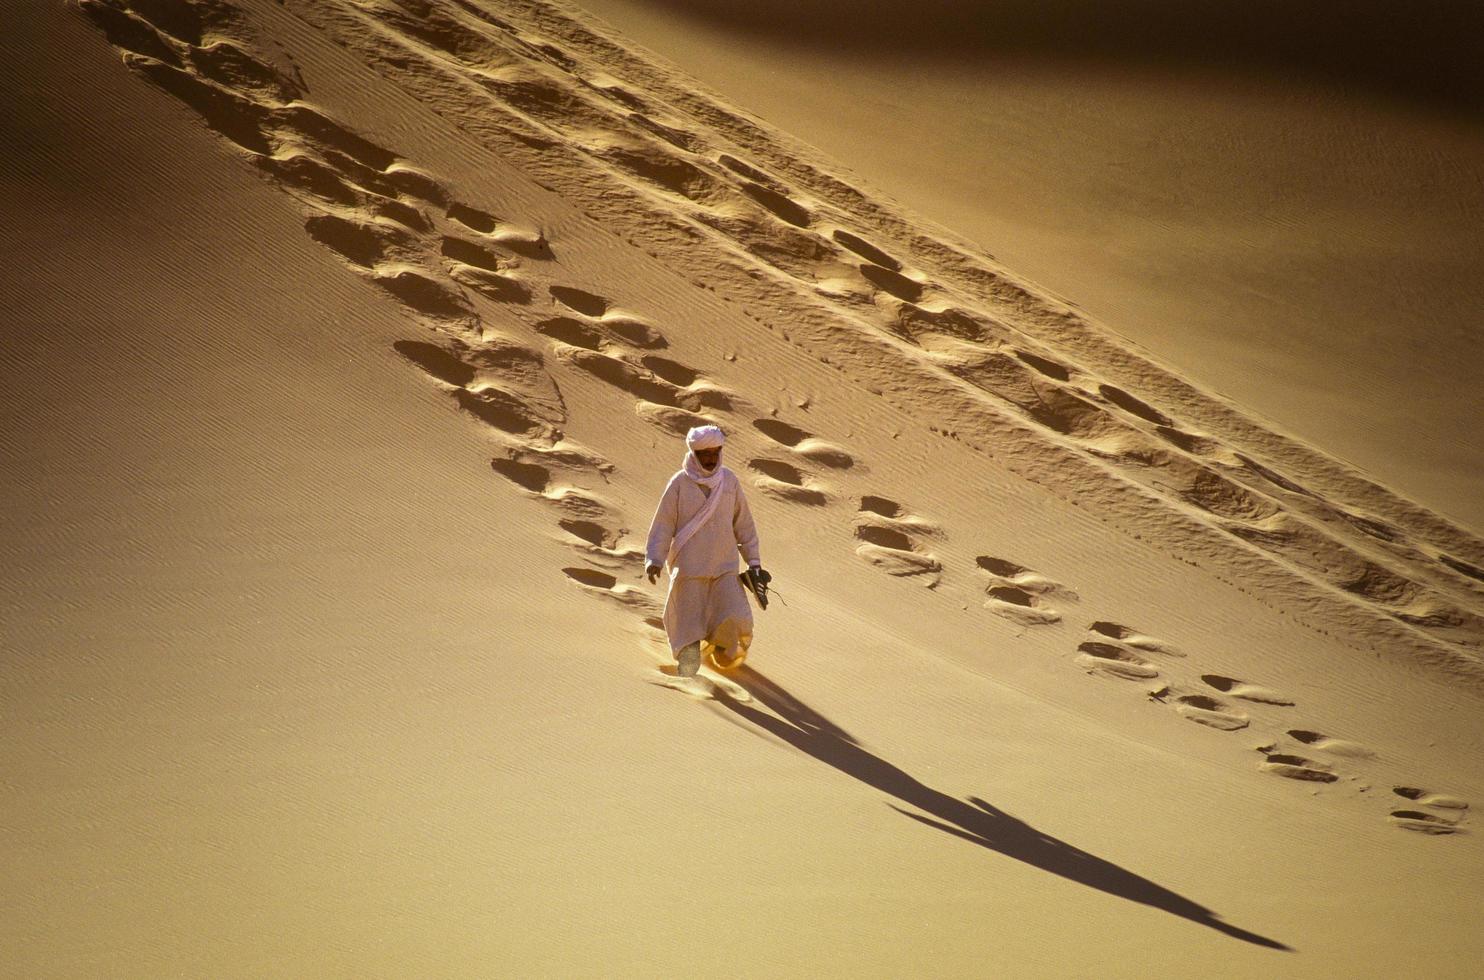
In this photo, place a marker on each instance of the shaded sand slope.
(326, 646)
(1300, 238)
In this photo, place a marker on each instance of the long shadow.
(973, 820)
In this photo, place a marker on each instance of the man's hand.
(760, 576)
(653, 571)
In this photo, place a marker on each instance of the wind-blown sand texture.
(1282, 201)
(364, 341)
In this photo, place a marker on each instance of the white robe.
(705, 601)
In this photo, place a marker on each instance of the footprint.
(471, 254)
(1216, 494)
(780, 432)
(1424, 823)
(672, 371)
(898, 285)
(240, 120)
(598, 541)
(881, 506)
(804, 444)
(779, 204)
(884, 537)
(437, 362)
(1332, 746)
(885, 512)
(591, 577)
(182, 22)
(1435, 800)
(781, 246)
(528, 476)
(416, 184)
(568, 455)
(437, 30)
(747, 170)
(588, 304)
(635, 333)
(556, 55)
(1297, 767)
(1380, 530)
(1273, 476)
(607, 586)
(705, 686)
(323, 132)
(621, 374)
(1247, 692)
(301, 172)
(473, 218)
(1018, 593)
(1023, 578)
(530, 468)
(677, 138)
(1462, 567)
(1196, 445)
(124, 30)
(1209, 711)
(662, 169)
(591, 532)
(518, 368)
(690, 392)
(361, 244)
(399, 211)
(675, 421)
(786, 481)
(1041, 400)
(1046, 366)
(1134, 406)
(620, 95)
(1105, 658)
(825, 454)
(903, 564)
(496, 286)
(427, 296)
(1021, 606)
(886, 533)
(914, 323)
(577, 503)
(507, 412)
(866, 250)
(232, 67)
(531, 244)
(572, 332)
(1133, 638)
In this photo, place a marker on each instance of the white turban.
(705, 437)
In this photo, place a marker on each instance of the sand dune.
(1299, 239)
(548, 256)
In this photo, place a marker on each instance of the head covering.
(717, 482)
(705, 437)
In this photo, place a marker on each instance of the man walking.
(701, 524)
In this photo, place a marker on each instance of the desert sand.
(1281, 202)
(352, 343)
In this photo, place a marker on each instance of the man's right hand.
(653, 571)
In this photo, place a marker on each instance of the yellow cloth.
(713, 609)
